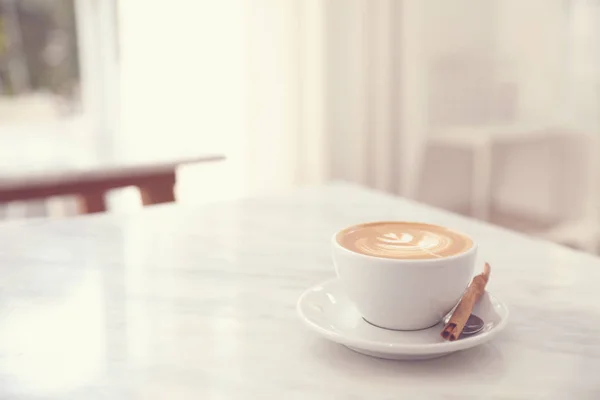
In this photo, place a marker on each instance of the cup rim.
(420, 261)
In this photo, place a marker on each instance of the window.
(39, 65)
(57, 74)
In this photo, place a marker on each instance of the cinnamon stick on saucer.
(463, 311)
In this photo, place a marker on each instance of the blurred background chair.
(538, 180)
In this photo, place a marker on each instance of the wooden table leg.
(159, 191)
(92, 202)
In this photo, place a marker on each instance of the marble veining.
(189, 302)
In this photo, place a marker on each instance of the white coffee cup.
(403, 294)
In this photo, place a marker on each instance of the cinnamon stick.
(463, 311)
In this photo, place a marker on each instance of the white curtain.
(292, 91)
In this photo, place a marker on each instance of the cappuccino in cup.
(403, 275)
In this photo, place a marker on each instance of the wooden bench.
(155, 181)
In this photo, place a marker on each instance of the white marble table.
(198, 302)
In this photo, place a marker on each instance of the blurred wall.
(485, 58)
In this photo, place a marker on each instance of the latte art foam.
(404, 240)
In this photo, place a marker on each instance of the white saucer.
(326, 309)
